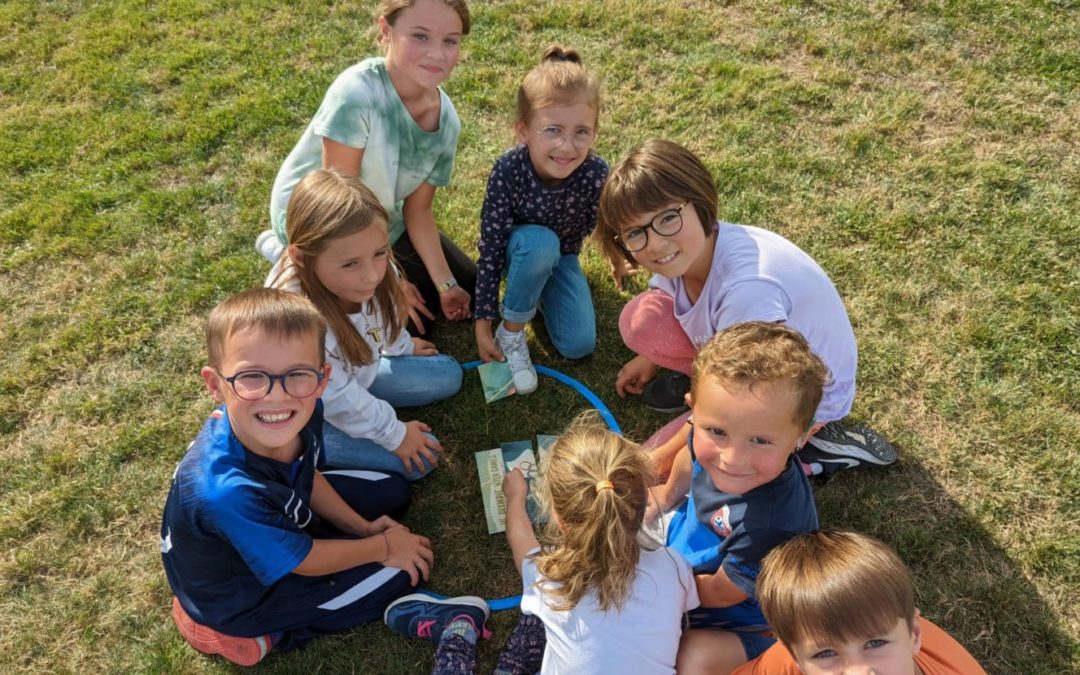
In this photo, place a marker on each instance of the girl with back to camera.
(387, 121)
(540, 205)
(600, 602)
(340, 257)
(659, 210)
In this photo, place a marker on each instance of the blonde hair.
(559, 79)
(814, 587)
(390, 9)
(328, 205)
(653, 176)
(758, 351)
(276, 313)
(594, 483)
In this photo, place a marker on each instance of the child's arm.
(422, 230)
(663, 456)
(328, 504)
(667, 495)
(519, 530)
(717, 590)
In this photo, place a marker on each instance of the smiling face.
(270, 426)
(892, 653)
(689, 250)
(423, 44)
(558, 138)
(743, 436)
(353, 266)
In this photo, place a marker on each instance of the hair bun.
(560, 53)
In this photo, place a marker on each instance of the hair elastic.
(603, 485)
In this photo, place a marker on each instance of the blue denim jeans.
(539, 276)
(403, 382)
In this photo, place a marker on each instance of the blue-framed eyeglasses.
(252, 385)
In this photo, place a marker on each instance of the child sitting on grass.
(753, 393)
(260, 547)
(594, 601)
(843, 602)
(658, 209)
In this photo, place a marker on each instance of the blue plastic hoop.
(512, 601)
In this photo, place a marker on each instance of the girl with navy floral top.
(541, 203)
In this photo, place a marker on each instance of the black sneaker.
(835, 447)
(667, 393)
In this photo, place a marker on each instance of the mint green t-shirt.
(362, 109)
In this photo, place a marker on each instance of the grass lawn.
(924, 152)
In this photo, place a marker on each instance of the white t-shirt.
(643, 638)
(757, 275)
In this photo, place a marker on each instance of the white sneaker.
(268, 246)
(516, 351)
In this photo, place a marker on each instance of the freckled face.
(743, 436)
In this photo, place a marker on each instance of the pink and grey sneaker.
(243, 651)
(425, 616)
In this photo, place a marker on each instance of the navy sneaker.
(667, 393)
(420, 615)
(836, 446)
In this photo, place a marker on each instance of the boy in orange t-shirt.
(843, 602)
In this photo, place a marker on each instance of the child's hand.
(620, 269)
(455, 303)
(409, 552)
(485, 342)
(633, 377)
(514, 485)
(654, 508)
(416, 305)
(417, 446)
(422, 347)
(379, 524)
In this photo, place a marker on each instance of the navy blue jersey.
(714, 529)
(234, 521)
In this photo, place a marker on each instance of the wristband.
(446, 285)
(386, 539)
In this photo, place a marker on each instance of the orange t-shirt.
(940, 654)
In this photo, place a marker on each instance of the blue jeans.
(403, 382)
(539, 276)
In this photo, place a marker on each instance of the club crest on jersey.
(721, 521)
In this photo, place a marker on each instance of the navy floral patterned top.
(516, 196)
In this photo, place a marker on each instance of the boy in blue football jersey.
(262, 548)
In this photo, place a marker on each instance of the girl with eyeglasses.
(658, 210)
(339, 255)
(539, 207)
(387, 121)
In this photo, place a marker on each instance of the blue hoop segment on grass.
(512, 601)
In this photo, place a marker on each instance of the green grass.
(924, 152)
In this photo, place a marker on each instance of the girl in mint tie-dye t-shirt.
(387, 121)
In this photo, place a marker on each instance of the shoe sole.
(851, 451)
(241, 651)
(468, 600)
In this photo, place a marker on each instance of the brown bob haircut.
(653, 176)
(834, 585)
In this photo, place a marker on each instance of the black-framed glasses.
(581, 137)
(666, 224)
(252, 385)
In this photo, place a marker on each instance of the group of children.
(280, 524)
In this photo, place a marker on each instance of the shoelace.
(517, 356)
(423, 627)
